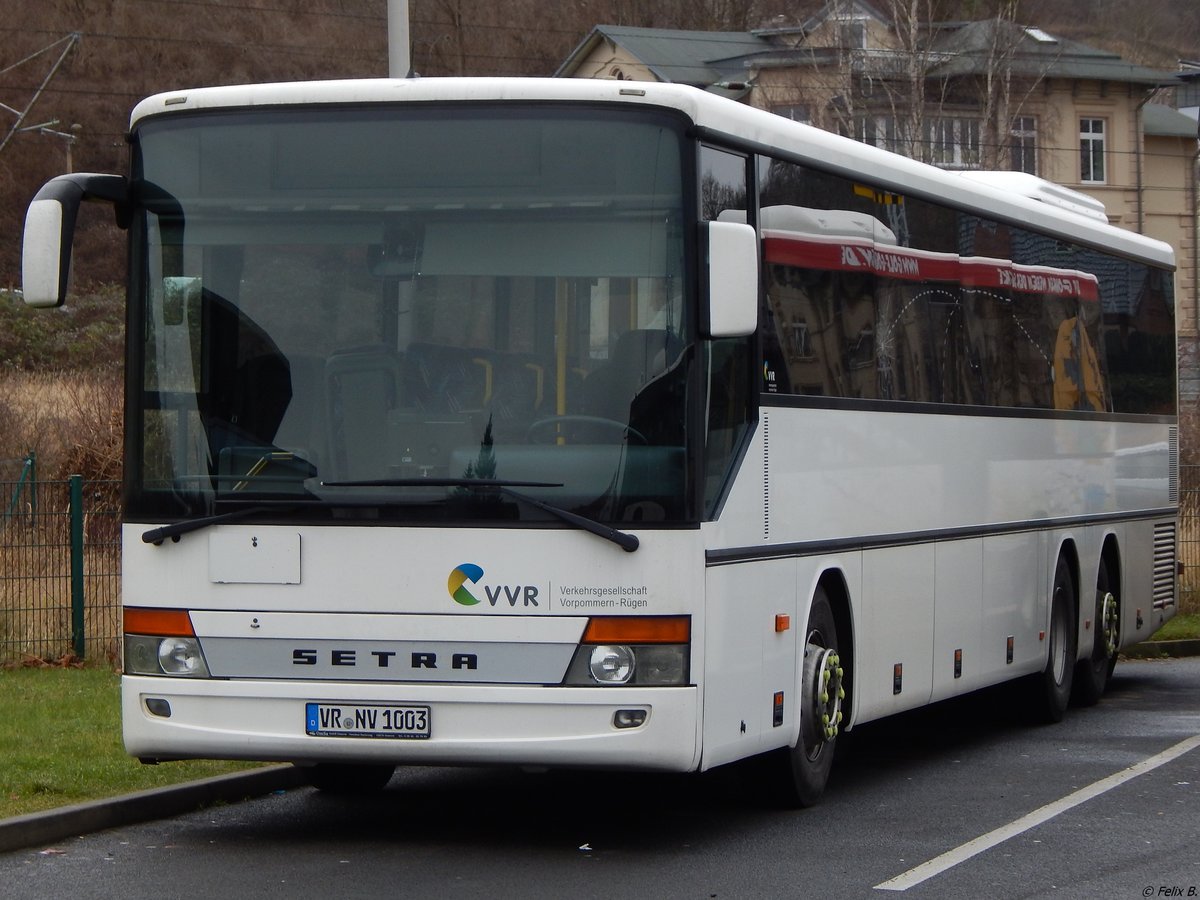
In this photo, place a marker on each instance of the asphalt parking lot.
(962, 799)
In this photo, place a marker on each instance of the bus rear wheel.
(1093, 673)
(804, 768)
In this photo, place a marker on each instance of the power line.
(71, 41)
(299, 49)
(240, 7)
(70, 37)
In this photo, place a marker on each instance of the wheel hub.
(1109, 624)
(825, 674)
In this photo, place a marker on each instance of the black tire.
(799, 774)
(1052, 688)
(1092, 674)
(346, 778)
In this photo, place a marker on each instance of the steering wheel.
(546, 424)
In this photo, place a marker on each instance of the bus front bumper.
(178, 718)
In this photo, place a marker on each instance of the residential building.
(989, 94)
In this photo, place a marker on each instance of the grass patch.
(61, 742)
(1183, 627)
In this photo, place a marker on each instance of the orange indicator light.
(162, 622)
(638, 630)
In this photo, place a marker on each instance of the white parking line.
(962, 853)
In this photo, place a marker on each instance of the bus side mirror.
(50, 230)
(729, 298)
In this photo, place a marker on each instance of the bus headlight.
(662, 664)
(181, 656)
(148, 655)
(638, 665)
(162, 642)
(632, 650)
(611, 664)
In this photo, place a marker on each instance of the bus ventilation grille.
(1173, 465)
(766, 435)
(1164, 564)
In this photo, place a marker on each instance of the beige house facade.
(978, 95)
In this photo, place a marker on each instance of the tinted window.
(874, 295)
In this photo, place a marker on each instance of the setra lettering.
(381, 659)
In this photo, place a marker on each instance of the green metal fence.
(1189, 539)
(60, 567)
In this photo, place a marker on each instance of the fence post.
(26, 481)
(77, 635)
(31, 466)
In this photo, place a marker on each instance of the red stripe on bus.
(906, 264)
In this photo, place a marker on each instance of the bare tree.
(904, 72)
(997, 88)
(946, 94)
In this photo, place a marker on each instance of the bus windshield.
(393, 314)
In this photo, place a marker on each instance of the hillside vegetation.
(128, 49)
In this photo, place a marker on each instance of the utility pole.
(399, 42)
(69, 139)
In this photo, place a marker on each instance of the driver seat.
(638, 357)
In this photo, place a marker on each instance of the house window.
(852, 33)
(953, 142)
(797, 112)
(1091, 151)
(880, 131)
(1023, 145)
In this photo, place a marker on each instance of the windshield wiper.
(627, 542)
(624, 540)
(175, 529)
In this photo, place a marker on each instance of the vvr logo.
(457, 585)
(469, 572)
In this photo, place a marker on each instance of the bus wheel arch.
(1094, 670)
(833, 584)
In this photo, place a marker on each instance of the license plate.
(374, 720)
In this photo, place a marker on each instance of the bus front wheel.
(805, 767)
(344, 778)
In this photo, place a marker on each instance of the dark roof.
(1166, 121)
(1037, 54)
(713, 58)
(699, 58)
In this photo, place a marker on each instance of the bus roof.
(717, 116)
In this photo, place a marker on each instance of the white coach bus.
(583, 423)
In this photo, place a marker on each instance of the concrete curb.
(1164, 649)
(157, 803)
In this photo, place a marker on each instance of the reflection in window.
(870, 295)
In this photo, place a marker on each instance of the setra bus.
(587, 423)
